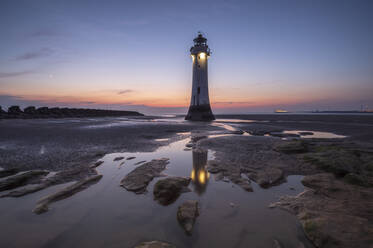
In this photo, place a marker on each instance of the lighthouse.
(200, 109)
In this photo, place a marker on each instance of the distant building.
(200, 109)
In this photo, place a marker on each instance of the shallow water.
(107, 215)
(316, 134)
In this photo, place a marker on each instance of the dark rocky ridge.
(14, 112)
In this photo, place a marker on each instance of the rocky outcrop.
(167, 190)
(187, 214)
(333, 213)
(21, 179)
(45, 112)
(267, 177)
(290, 147)
(138, 179)
(154, 244)
(42, 205)
(8, 172)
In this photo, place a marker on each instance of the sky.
(298, 55)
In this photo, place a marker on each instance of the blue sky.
(297, 55)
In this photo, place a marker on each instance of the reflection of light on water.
(161, 139)
(199, 174)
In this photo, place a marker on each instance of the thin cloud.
(14, 74)
(122, 92)
(43, 33)
(235, 103)
(44, 52)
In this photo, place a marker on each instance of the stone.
(138, 179)
(187, 214)
(338, 161)
(21, 179)
(289, 147)
(154, 244)
(305, 133)
(28, 189)
(130, 158)
(96, 164)
(167, 190)
(268, 177)
(118, 158)
(42, 205)
(284, 135)
(140, 162)
(8, 172)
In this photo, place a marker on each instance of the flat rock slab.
(22, 179)
(138, 179)
(268, 177)
(42, 205)
(167, 190)
(8, 172)
(187, 214)
(154, 244)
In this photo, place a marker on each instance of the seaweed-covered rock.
(42, 205)
(21, 179)
(167, 190)
(268, 177)
(138, 179)
(338, 161)
(294, 146)
(187, 214)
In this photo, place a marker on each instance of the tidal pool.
(107, 215)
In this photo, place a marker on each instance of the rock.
(98, 163)
(338, 161)
(260, 129)
(138, 179)
(195, 138)
(130, 158)
(189, 144)
(154, 244)
(8, 172)
(167, 190)
(356, 179)
(118, 158)
(330, 208)
(20, 179)
(42, 205)
(284, 135)
(187, 214)
(276, 244)
(305, 133)
(214, 167)
(242, 182)
(268, 177)
(294, 146)
(26, 190)
(140, 162)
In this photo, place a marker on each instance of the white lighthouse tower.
(199, 109)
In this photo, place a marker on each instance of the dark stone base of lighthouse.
(200, 113)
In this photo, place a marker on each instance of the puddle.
(315, 134)
(107, 215)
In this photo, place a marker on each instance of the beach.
(258, 180)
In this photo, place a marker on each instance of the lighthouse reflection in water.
(199, 174)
